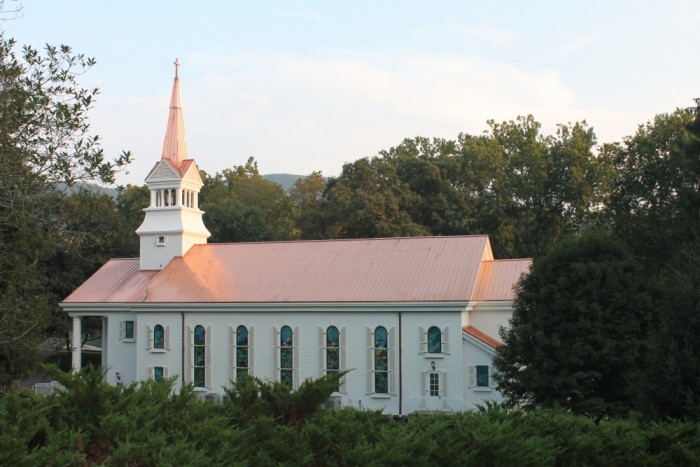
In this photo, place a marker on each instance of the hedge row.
(93, 423)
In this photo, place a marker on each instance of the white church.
(416, 319)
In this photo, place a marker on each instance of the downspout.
(400, 368)
(182, 372)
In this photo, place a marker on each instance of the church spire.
(175, 144)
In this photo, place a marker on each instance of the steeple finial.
(175, 144)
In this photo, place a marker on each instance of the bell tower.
(173, 221)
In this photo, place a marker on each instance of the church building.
(415, 319)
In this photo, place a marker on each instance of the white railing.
(442, 404)
(47, 389)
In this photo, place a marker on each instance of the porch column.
(77, 341)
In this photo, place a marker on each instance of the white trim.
(93, 309)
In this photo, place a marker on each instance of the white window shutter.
(343, 365)
(443, 384)
(392, 360)
(424, 384)
(165, 372)
(276, 354)
(166, 340)
(151, 373)
(422, 340)
(370, 360)
(471, 376)
(295, 356)
(251, 350)
(149, 341)
(188, 356)
(135, 323)
(446, 340)
(232, 353)
(492, 380)
(207, 357)
(321, 352)
(122, 329)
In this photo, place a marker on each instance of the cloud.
(297, 114)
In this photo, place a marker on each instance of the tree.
(655, 201)
(131, 201)
(578, 334)
(532, 189)
(367, 200)
(240, 205)
(46, 144)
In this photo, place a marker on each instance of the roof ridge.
(329, 240)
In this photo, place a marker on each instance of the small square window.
(161, 240)
(128, 329)
(482, 376)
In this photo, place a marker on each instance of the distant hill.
(111, 191)
(286, 181)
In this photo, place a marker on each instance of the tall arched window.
(381, 361)
(332, 349)
(242, 354)
(287, 356)
(200, 359)
(434, 340)
(158, 337)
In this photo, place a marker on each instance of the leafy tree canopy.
(45, 142)
(579, 329)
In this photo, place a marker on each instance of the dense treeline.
(93, 423)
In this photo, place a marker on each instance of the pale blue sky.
(305, 86)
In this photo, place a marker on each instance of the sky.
(310, 85)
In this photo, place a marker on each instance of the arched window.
(381, 361)
(242, 356)
(332, 349)
(200, 359)
(287, 356)
(434, 340)
(158, 337)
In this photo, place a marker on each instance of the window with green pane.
(287, 356)
(482, 376)
(242, 351)
(158, 337)
(434, 340)
(200, 356)
(381, 360)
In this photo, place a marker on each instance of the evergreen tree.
(579, 330)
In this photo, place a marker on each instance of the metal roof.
(117, 281)
(415, 269)
(488, 340)
(497, 279)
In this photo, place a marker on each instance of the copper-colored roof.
(497, 279)
(370, 270)
(490, 341)
(117, 281)
(175, 143)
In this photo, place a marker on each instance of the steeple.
(175, 144)
(173, 221)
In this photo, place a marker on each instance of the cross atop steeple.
(177, 66)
